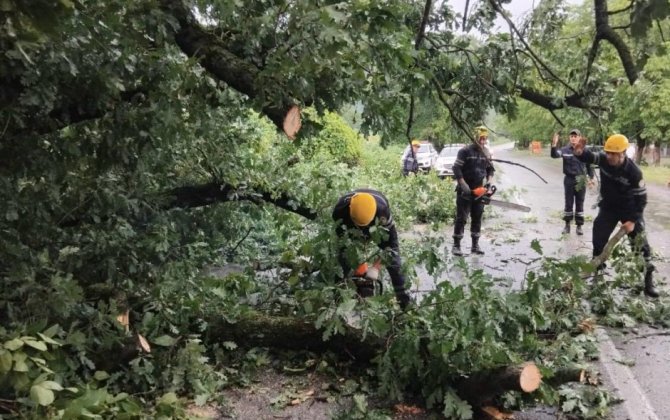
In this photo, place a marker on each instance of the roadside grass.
(659, 175)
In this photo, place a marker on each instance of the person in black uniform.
(361, 209)
(624, 198)
(472, 166)
(572, 168)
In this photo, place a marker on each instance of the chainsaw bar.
(507, 205)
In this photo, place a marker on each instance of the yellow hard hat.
(616, 143)
(362, 209)
(416, 142)
(482, 131)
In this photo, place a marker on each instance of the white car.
(444, 165)
(426, 156)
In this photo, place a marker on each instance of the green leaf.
(20, 362)
(37, 345)
(535, 246)
(54, 386)
(12, 215)
(48, 340)
(361, 402)
(100, 375)
(14, 344)
(164, 340)
(41, 395)
(5, 361)
(169, 398)
(230, 345)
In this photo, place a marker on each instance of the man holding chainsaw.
(572, 169)
(360, 210)
(473, 166)
(623, 199)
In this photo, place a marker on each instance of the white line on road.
(635, 402)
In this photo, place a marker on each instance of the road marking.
(635, 402)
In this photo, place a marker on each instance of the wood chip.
(407, 409)
(496, 414)
(143, 343)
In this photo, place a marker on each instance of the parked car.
(444, 165)
(425, 156)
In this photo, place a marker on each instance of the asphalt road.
(634, 363)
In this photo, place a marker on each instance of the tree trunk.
(483, 386)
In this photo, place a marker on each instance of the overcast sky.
(518, 8)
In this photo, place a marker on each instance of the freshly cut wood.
(482, 386)
(292, 122)
(596, 261)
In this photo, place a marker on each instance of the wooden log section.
(481, 387)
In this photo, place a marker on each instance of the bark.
(214, 192)
(483, 386)
(243, 76)
(258, 330)
(596, 261)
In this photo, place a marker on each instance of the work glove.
(465, 190)
(403, 299)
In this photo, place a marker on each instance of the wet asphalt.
(635, 363)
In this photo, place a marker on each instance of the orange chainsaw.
(483, 194)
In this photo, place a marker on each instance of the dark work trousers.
(464, 208)
(605, 223)
(572, 196)
(393, 266)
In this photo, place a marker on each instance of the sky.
(518, 8)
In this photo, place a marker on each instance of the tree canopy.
(142, 141)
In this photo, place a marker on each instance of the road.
(507, 235)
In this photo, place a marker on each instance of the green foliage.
(335, 137)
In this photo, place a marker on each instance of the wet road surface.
(506, 238)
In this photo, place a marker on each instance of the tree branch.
(630, 5)
(193, 196)
(212, 53)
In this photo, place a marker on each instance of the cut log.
(481, 387)
(259, 330)
(292, 122)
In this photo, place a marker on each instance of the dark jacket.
(622, 189)
(572, 166)
(410, 163)
(382, 217)
(473, 166)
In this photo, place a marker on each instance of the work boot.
(475, 247)
(456, 250)
(579, 230)
(649, 289)
(566, 229)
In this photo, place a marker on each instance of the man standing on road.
(473, 166)
(624, 198)
(410, 164)
(362, 209)
(574, 192)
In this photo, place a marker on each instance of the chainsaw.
(483, 194)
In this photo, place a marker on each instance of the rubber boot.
(649, 289)
(475, 247)
(456, 250)
(579, 230)
(566, 229)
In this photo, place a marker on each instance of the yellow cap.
(416, 142)
(362, 209)
(482, 131)
(616, 143)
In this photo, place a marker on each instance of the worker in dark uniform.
(623, 199)
(572, 168)
(361, 209)
(472, 169)
(410, 163)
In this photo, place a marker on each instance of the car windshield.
(424, 148)
(449, 151)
